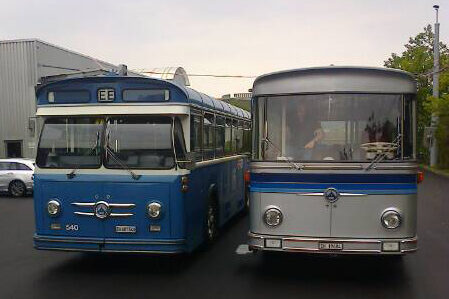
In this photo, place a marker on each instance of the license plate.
(273, 243)
(330, 246)
(125, 229)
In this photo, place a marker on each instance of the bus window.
(139, 142)
(208, 136)
(71, 142)
(234, 135)
(239, 137)
(246, 137)
(228, 137)
(219, 136)
(196, 140)
(180, 146)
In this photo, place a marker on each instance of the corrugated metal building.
(22, 64)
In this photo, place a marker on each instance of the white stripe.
(112, 110)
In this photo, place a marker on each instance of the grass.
(440, 171)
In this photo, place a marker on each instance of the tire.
(17, 189)
(211, 232)
(246, 208)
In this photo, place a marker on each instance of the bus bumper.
(153, 246)
(261, 242)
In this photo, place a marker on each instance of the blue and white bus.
(135, 164)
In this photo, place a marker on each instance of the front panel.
(360, 216)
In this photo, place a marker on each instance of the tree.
(418, 60)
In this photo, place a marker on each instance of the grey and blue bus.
(334, 165)
(136, 164)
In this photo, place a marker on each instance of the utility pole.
(436, 86)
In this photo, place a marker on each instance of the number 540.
(71, 227)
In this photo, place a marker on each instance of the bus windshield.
(70, 143)
(140, 142)
(338, 127)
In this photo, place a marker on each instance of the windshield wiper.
(72, 173)
(120, 162)
(382, 156)
(297, 166)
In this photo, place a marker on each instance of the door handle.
(9, 173)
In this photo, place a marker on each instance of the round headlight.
(154, 210)
(391, 219)
(272, 217)
(53, 207)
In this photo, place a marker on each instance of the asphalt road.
(219, 272)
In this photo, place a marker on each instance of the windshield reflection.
(337, 127)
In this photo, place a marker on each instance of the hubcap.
(17, 189)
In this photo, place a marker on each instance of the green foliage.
(244, 104)
(418, 60)
(440, 106)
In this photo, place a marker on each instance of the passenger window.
(208, 136)
(196, 142)
(219, 136)
(235, 137)
(3, 166)
(228, 137)
(239, 137)
(180, 146)
(11, 166)
(246, 137)
(20, 166)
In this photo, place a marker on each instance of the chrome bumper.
(350, 246)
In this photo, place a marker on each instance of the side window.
(235, 136)
(228, 136)
(20, 166)
(180, 145)
(3, 166)
(219, 136)
(208, 136)
(246, 137)
(239, 139)
(11, 166)
(196, 134)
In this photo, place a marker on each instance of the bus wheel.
(211, 221)
(246, 199)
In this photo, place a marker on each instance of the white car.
(16, 176)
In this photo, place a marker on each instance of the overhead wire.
(198, 75)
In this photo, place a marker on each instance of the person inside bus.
(304, 131)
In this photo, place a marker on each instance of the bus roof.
(179, 93)
(332, 79)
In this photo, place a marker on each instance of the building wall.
(17, 80)
(22, 64)
(53, 60)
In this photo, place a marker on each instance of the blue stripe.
(376, 188)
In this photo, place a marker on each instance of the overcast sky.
(225, 37)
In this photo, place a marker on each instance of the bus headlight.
(391, 219)
(53, 208)
(272, 217)
(154, 210)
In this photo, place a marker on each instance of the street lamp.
(435, 93)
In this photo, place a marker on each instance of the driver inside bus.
(304, 132)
